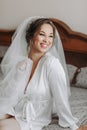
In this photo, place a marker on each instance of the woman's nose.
(45, 39)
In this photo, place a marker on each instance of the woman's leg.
(9, 124)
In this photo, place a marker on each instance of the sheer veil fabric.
(16, 52)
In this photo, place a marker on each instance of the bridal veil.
(16, 52)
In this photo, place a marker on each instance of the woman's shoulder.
(51, 60)
(54, 65)
(23, 63)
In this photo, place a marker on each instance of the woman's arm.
(58, 85)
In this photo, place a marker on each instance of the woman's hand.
(82, 127)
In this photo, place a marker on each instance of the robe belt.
(28, 110)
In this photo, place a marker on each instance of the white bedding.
(78, 101)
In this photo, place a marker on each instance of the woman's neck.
(35, 56)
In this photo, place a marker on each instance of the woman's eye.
(51, 36)
(41, 34)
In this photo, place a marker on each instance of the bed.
(75, 49)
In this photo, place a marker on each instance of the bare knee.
(9, 124)
(2, 128)
(2, 125)
(4, 119)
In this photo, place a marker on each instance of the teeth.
(44, 45)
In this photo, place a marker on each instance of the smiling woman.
(41, 32)
(39, 40)
(42, 40)
(35, 81)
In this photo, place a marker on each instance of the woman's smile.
(43, 39)
(44, 45)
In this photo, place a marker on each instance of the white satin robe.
(33, 109)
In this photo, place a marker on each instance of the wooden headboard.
(74, 43)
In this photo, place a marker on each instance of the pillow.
(71, 71)
(81, 79)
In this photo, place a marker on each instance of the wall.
(72, 12)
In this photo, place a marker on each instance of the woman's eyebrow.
(44, 32)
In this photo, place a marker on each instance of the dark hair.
(35, 26)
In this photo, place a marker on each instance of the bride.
(34, 78)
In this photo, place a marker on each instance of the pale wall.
(72, 12)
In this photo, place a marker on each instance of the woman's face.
(43, 39)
